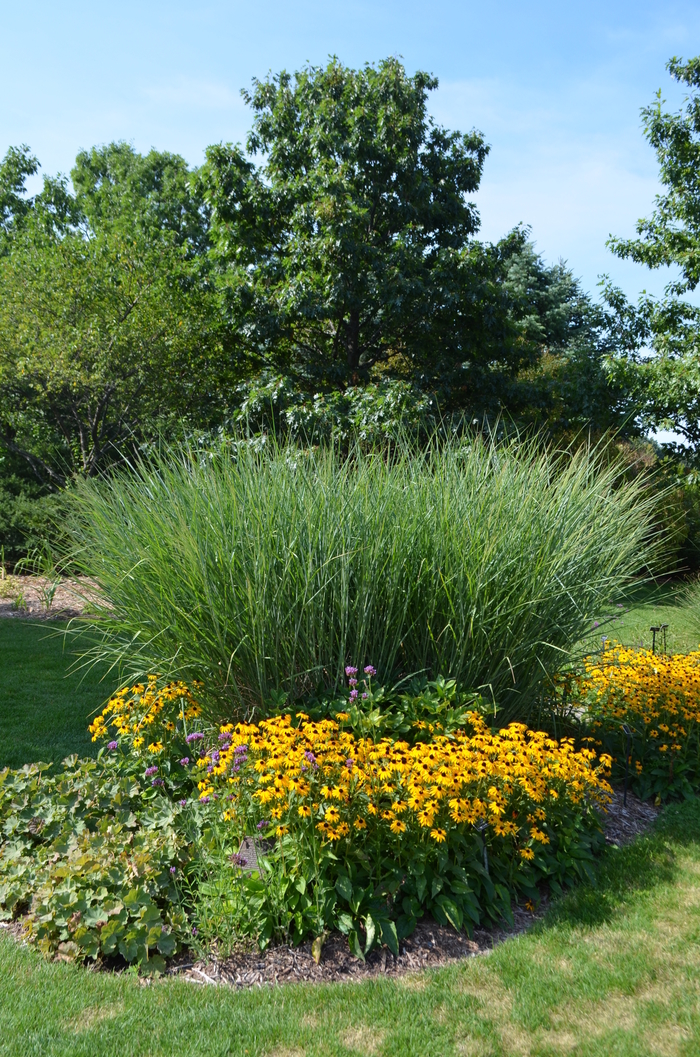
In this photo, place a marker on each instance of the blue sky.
(556, 88)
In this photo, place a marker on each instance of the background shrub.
(265, 568)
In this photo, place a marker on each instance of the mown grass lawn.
(44, 710)
(614, 970)
(651, 604)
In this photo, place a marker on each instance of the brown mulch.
(26, 597)
(622, 824)
(430, 946)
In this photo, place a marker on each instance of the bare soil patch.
(40, 598)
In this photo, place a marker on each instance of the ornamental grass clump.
(264, 568)
(654, 697)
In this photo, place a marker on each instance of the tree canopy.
(108, 324)
(658, 340)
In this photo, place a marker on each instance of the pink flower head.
(353, 695)
(370, 671)
(350, 670)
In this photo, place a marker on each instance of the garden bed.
(431, 945)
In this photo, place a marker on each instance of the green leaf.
(167, 944)
(450, 910)
(343, 887)
(370, 933)
(354, 944)
(345, 923)
(390, 936)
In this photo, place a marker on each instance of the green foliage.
(15, 167)
(371, 414)
(346, 247)
(87, 855)
(109, 328)
(666, 386)
(256, 568)
(29, 512)
(417, 712)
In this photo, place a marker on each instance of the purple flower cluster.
(240, 756)
(173, 869)
(182, 803)
(197, 736)
(263, 825)
(112, 745)
(225, 736)
(308, 755)
(238, 860)
(184, 761)
(350, 763)
(150, 771)
(158, 781)
(351, 673)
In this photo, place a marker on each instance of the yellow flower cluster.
(514, 783)
(658, 696)
(133, 710)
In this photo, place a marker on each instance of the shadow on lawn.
(644, 864)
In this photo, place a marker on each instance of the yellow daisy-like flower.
(304, 811)
(527, 853)
(438, 835)
(155, 746)
(397, 826)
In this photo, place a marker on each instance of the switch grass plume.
(263, 567)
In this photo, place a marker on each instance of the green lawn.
(43, 710)
(613, 972)
(646, 605)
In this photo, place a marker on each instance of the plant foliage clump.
(90, 856)
(260, 568)
(306, 826)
